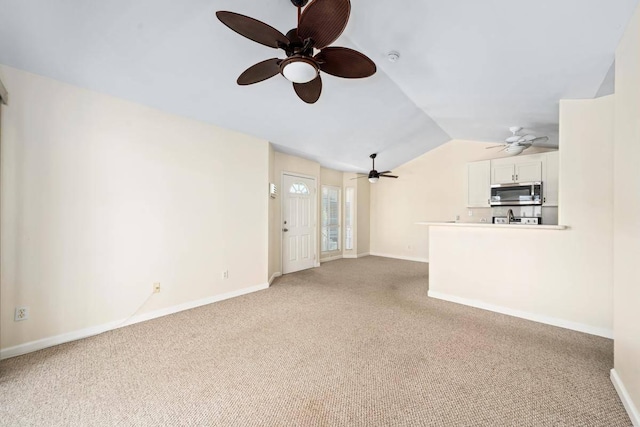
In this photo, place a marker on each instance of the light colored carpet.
(353, 343)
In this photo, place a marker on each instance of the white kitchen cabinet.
(523, 169)
(530, 168)
(528, 171)
(479, 184)
(550, 179)
(502, 173)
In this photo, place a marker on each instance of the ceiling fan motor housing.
(297, 46)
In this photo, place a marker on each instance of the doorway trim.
(4, 95)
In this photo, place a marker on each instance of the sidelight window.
(330, 218)
(349, 210)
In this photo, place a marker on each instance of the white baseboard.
(274, 276)
(346, 256)
(631, 408)
(95, 330)
(554, 321)
(405, 258)
(354, 256)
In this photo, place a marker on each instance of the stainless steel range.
(529, 215)
(517, 220)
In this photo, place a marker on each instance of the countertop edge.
(491, 225)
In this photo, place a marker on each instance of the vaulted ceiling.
(468, 69)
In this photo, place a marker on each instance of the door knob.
(285, 229)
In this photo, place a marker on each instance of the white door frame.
(4, 95)
(315, 216)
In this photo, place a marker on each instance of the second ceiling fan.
(517, 143)
(319, 25)
(374, 175)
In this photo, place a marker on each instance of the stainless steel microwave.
(523, 193)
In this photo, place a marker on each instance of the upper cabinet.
(513, 169)
(541, 167)
(529, 171)
(502, 173)
(478, 184)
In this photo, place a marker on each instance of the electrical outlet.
(22, 313)
(470, 212)
(225, 274)
(156, 288)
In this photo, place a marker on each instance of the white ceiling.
(469, 69)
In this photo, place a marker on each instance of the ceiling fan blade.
(380, 173)
(389, 176)
(261, 71)
(345, 62)
(324, 21)
(309, 92)
(529, 137)
(358, 177)
(494, 146)
(253, 29)
(540, 138)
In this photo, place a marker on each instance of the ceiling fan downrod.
(299, 3)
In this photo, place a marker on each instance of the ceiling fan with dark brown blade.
(319, 25)
(374, 175)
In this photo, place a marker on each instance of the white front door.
(298, 223)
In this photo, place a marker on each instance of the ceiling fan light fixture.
(514, 150)
(373, 179)
(299, 69)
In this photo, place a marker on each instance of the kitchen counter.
(491, 225)
(544, 276)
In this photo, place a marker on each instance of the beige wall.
(627, 214)
(331, 177)
(429, 188)
(561, 276)
(101, 197)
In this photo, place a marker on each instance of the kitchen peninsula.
(517, 270)
(490, 225)
(556, 274)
